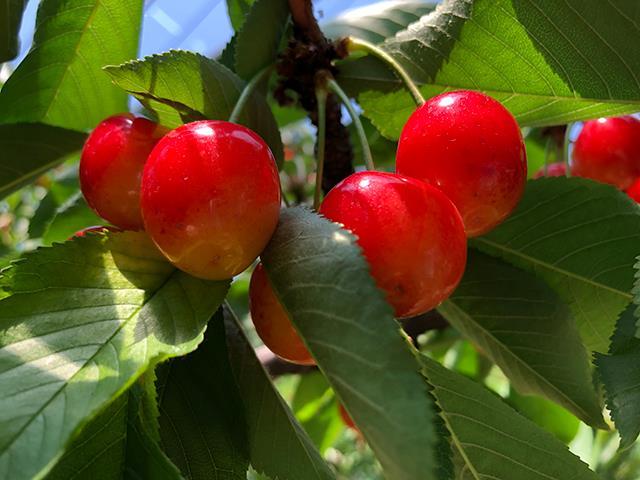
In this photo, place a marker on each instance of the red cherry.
(111, 166)
(410, 233)
(470, 147)
(346, 418)
(634, 190)
(211, 197)
(272, 322)
(556, 169)
(608, 150)
(95, 229)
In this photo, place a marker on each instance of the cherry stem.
(247, 91)
(356, 44)
(355, 118)
(321, 99)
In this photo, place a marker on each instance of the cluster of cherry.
(460, 170)
(607, 150)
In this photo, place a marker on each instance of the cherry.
(556, 169)
(608, 150)
(634, 190)
(211, 197)
(111, 166)
(272, 322)
(470, 147)
(410, 233)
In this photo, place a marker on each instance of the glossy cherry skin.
(470, 147)
(111, 167)
(211, 197)
(272, 322)
(410, 233)
(608, 150)
(634, 190)
(556, 169)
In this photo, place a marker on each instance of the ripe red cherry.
(556, 169)
(470, 147)
(272, 322)
(608, 150)
(410, 233)
(111, 166)
(211, 197)
(634, 190)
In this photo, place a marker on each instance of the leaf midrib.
(553, 268)
(519, 360)
(68, 381)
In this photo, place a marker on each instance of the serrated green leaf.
(582, 238)
(10, 19)
(73, 215)
(317, 271)
(238, 10)
(549, 62)
(60, 82)
(193, 85)
(491, 440)
(377, 21)
(29, 150)
(522, 326)
(84, 320)
(620, 376)
(278, 446)
(259, 38)
(202, 423)
(116, 445)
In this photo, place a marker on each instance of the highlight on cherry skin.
(111, 167)
(608, 150)
(272, 322)
(410, 233)
(556, 169)
(210, 197)
(469, 146)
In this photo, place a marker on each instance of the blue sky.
(198, 25)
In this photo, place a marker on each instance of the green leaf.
(60, 82)
(549, 62)
(84, 320)
(73, 215)
(202, 423)
(60, 189)
(278, 446)
(194, 86)
(10, 19)
(315, 407)
(546, 414)
(259, 38)
(238, 9)
(522, 326)
(582, 238)
(29, 150)
(317, 271)
(620, 376)
(377, 21)
(115, 445)
(491, 440)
